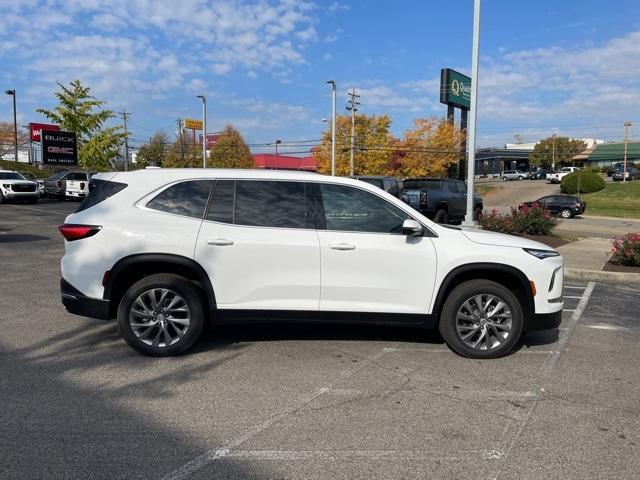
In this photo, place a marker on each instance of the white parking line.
(547, 367)
(568, 310)
(575, 287)
(571, 296)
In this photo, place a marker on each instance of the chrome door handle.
(342, 246)
(220, 242)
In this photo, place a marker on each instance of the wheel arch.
(506, 275)
(132, 268)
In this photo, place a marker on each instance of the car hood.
(485, 237)
(17, 182)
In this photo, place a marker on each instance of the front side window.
(354, 210)
(184, 198)
(272, 204)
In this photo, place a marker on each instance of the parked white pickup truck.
(557, 177)
(77, 185)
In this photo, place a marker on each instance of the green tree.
(555, 149)
(183, 153)
(80, 112)
(154, 152)
(374, 145)
(230, 151)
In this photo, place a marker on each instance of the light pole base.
(470, 223)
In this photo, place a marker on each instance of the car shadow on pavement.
(21, 237)
(68, 413)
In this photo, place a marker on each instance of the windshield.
(422, 184)
(11, 176)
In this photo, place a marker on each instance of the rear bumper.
(78, 304)
(544, 321)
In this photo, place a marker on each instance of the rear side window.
(271, 204)
(99, 191)
(376, 182)
(184, 198)
(221, 207)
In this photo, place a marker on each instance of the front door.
(367, 264)
(259, 245)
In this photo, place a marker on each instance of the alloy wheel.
(484, 322)
(159, 317)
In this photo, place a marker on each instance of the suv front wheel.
(481, 319)
(161, 315)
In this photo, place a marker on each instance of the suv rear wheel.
(161, 315)
(481, 319)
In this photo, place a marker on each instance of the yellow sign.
(191, 124)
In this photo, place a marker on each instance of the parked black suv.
(566, 206)
(388, 184)
(443, 200)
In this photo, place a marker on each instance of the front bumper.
(11, 194)
(79, 304)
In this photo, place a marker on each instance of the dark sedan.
(540, 174)
(566, 206)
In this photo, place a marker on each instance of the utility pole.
(553, 153)
(627, 124)
(15, 125)
(125, 116)
(204, 130)
(352, 107)
(473, 113)
(179, 122)
(333, 127)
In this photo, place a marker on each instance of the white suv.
(165, 251)
(13, 186)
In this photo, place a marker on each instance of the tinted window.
(462, 187)
(354, 210)
(185, 198)
(99, 191)
(221, 207)
(271, 204)
(422, 184)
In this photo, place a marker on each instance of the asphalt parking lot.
(288, 402)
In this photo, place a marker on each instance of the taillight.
(81, 185)
(59, 184)
(73, 232)
(423, 199)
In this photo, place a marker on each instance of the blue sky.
(569, 67)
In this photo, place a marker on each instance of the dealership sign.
(455, 89)
(59, 148)
(35, 130)
(192, 124)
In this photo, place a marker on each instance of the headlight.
(7, 186)
(541, 254)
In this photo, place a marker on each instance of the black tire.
(566, 213)
(191, 296)
(465, 291)
(504, 179)
(520, 178)
(441, 217)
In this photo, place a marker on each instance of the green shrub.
(534, 220)
(626, 250)
(582, 181)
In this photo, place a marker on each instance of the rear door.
(368, 265)
(259, 246)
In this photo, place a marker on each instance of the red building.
(271, 161)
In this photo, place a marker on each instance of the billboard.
(35, 130)
(59, 148)
(192, 124)
(455, 89)
(212, 139)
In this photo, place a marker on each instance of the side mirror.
(412, 228)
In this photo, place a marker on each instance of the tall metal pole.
(204, 130)
(626, 137)
(353, 109)
(125, 115)
(333, 127)
(15, 124)
(473, 113)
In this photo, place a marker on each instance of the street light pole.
(469, 220)
(626, 137)
(333, 128)
(204, 130)
(15, 124)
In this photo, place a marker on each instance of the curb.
(595, 275)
